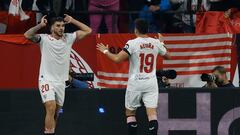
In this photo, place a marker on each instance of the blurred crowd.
(166, 16)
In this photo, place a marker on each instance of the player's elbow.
(26, 35)
(167, 56)
(89, 31)
(117, 60)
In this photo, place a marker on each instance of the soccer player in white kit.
(142, 82)
(55, 59)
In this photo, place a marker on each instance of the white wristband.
(105, 51)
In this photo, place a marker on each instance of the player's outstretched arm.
(84, 29)
(121, 56)
(160, 37)
(167, 54)
(31, 33)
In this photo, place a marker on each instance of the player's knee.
(151, 112)
(153, 127)
(50, 107)
(130, 112)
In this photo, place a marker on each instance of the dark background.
(22, 113)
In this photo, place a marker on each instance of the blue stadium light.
(101, 110)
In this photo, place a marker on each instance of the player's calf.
(132, 125)
(153, 123)
(50, 107)
(131, 122)
(57, 113)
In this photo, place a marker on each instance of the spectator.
(103, 5)
(1, 5)
(175, 4)
(57, 7)
(229, 6)
(4, 4)
(221, 78)
(132, 6)
(70, 5)
(151, 13)
(163, 82)
(27, 5)
(43, 5)
(224, 5)
(185, 23)
(81, 5)
(74, 83)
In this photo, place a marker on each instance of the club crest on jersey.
(126, 46)
(149, 45)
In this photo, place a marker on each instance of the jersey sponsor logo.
(142, 77)
(126, 46)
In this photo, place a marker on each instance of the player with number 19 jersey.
(143, 54)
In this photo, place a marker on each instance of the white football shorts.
(52, 91)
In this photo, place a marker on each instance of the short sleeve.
(128, 48)
(161, 48)
(42, 38)
(71, 37)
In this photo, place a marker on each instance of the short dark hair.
(56, 19)
(141, 25)
(220, 69)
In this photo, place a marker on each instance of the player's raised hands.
(160, 37)
(44, 21)
(67, 18)
(102, 48)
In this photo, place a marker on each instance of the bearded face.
(58, 28)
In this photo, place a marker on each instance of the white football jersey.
(55, 57)
(143, 54)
